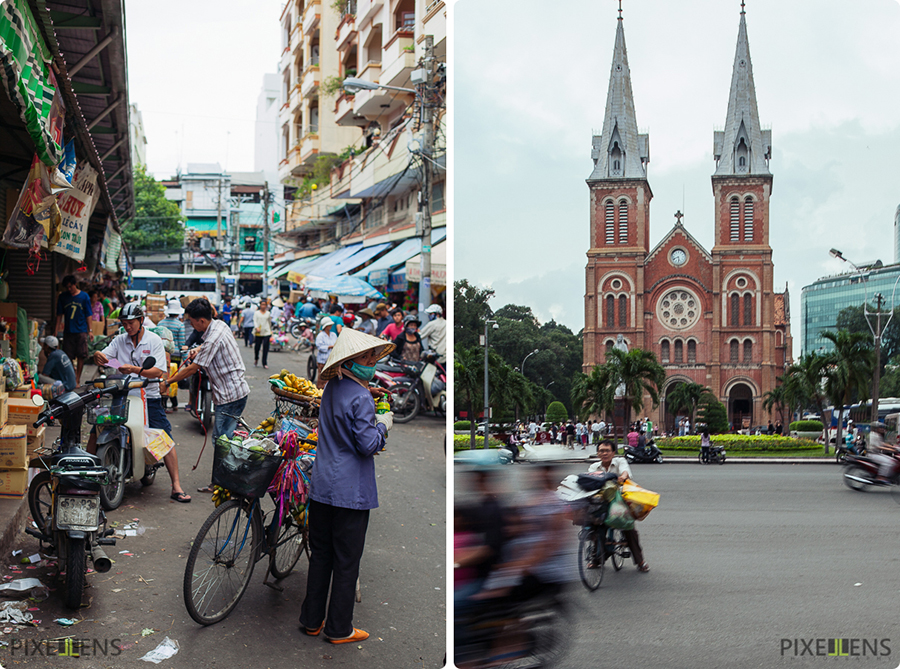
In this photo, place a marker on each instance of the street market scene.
(223, 379)
(671, 435)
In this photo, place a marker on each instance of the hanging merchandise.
(114, 248)
(35, 220)
(61, 178)
(77, 205)
(104, 245)
(29, 82)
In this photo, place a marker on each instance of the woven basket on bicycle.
(296, 397)
(242, 471)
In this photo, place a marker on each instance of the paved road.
(741, 558)
(403, 569)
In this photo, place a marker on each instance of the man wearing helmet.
(131, 349)
(434, 332)
(408, 344)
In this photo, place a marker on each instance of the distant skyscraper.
(897, 235)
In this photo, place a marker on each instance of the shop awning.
(377, 273)
(438, 266)
(324, 266)
(292, 266)
(360, 257)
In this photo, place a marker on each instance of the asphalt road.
(402, 575)
(743, 557)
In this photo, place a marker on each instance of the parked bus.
(173, 286)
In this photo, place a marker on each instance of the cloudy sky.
(530, 89)
(195, 71)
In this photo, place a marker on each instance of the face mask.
(411, 330)
(361, 372)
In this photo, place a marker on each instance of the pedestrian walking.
(247, 323)
(262, 333)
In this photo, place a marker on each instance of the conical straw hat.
(350, 343)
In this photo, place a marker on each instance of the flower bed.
(740, 442)
(461, 442)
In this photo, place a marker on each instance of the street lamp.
(353, 85)
(876, 331)
(487, 406)
(526, 358)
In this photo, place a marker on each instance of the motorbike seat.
(78, 455)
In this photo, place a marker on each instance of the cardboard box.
(187, 299)
(4, 411)
(112, 328)
(295, 296)
(98, 328)
(35, 441)
(22, 412)
(13, 447)
(13, 483)
(23, 392)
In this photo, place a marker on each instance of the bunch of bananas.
(220, 495)
(295, 384)
(267, 426)
(300, 514)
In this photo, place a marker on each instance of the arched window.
(748, 351)
(679, 352)
(623, 311)
(610, 311)
(692, 352)
(735, 310)
(623, 222)
(664, 351)
(748, 219)
(735, 220)
(610, 223)
(609, 346)
(615, 160)
(735, 351)
(748, 310)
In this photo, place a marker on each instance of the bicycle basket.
(108, 411)
(242, 471)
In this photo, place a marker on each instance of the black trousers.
(337, 537)
(248, 336)
(264, 342)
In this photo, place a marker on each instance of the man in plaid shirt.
(220, 357)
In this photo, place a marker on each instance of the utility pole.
(879, 298)
(219, 240)
(427, 180)
(487, 404)
(265, 286)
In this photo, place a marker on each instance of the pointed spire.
(620, 152)
(742, 148)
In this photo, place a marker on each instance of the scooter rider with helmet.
(132, 347)
(435, 331)
(408, 345)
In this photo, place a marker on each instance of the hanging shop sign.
(29, 81)
(76, 206)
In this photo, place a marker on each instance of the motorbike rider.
(408, 344)
(435, 331)
(132, 347)
(619, 465)
(882, 453)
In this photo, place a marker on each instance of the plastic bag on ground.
(168, 648)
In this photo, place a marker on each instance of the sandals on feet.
(314, 632)
(182, 497)
(206, 488)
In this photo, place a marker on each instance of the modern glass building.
(823, 300)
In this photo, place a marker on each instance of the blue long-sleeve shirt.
(344, 471)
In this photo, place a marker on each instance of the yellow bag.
(157, 445)
(173, 387)
(639, 500)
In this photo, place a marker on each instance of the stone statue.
(620, 345)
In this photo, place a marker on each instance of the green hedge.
(461, 442)
(740, 442)
(806, 426)
(462, 425)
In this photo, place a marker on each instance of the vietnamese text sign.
(76, 206)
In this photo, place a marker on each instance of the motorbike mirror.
(148, 363)
(37, 400)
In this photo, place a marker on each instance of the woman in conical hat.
(342, 485)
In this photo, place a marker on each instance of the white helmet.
(131, 311)
(434, 309)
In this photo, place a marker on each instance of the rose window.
(678, 309)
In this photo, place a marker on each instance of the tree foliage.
(556, 412)
(853, 320)
(155, 225)
(848, 370)
(686, 397)
(640, 372)
(713, 414)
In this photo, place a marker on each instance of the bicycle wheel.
(286, 550)
(590, 559)
(616, 548)
(221, 561)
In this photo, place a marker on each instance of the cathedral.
(710, 317)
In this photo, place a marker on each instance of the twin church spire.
(742, 148)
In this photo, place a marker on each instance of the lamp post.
(877, 331)
(526, 358)
(487, 406)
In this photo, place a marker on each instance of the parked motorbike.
(649, 454)
(303, 330)
(861, 472)
(414, 386)
(65, 498)
(716, 456)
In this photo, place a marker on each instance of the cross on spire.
(620, 8)
(678, 217)
(742, 6)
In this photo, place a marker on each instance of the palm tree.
(848, 370)
(468, 383)
(777, 397)
(687, 396)
(639, 371)
(804, 382)
(595, 394)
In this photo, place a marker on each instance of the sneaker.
(643, 567)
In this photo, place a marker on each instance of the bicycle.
(593, 553)
(235, 536)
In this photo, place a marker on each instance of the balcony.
(296, 99)
(311, 16)
(368, 103)
(310, 80)
(366, 9)
(346, 31)
(399, 59)
(290, 166)
(344, 114)
(309, 145)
